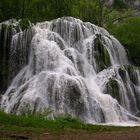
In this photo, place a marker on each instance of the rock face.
(7, 30)
(13, 55)
(135, 4)
(70, 67)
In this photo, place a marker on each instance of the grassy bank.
(35, 126)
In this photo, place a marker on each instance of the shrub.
(128, 33)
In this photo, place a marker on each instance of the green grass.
(35, 127)
(39, 124)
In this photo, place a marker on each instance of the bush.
(24, 24)
(128, 33)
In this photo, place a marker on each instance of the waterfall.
(71, 67)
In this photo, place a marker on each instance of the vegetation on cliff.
(128, 33)
(117, 19)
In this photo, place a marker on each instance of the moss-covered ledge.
(102, 57)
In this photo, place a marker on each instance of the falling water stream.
(71, 67)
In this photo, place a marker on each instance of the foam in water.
(72, 67)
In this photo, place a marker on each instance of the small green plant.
(27, 110)
(45, 113)
(24, 24)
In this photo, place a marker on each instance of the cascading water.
(75, 68)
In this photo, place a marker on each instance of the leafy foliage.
(114, 18)
(38, 10)
(128, 33)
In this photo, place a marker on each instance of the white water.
(62, 74)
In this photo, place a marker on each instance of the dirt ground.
(73, 136)
(102, 136)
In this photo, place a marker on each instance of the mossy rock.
(6, 33)
(132, 71)
(76, 34)
(102, 56)
(3, 26)
(24, 24)
(9, 28)
(112, 88)
(122, 73)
